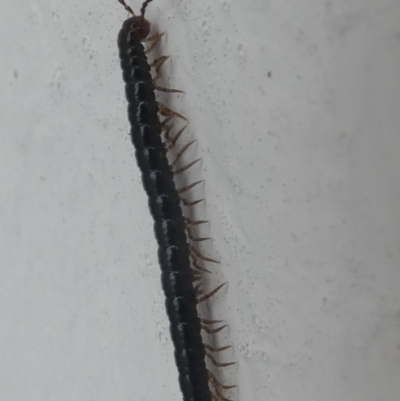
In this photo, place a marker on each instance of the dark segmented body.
(169, 223)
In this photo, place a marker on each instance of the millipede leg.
(200, 256)
(214, 381)
(157, 64)
(164, 124)
(155, 38)
(218, 364)
(206, 322)
(184, 168)
(167, 130)
(220, 397)
(187, 187)
(172, 142)
(209, 321)
(214, 397)
(195, 222)
(218, 387)
(182, 151)
(214, 349)
(210, 294)
(162, 89)
(196, 276)
(195, 239)
(212, 331)
(199, 267)
(167, 112)
(190, 203)
(197, 290)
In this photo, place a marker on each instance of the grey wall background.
(302, 189)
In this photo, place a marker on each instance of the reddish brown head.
(138, 23)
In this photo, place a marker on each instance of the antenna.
(144, 5)
(127, 8)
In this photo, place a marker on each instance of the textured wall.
(295, 108)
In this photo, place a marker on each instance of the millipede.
(180, 261)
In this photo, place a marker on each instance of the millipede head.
(138, 23)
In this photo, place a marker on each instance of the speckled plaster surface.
(295, 108)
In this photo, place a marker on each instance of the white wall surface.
(302, 188)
